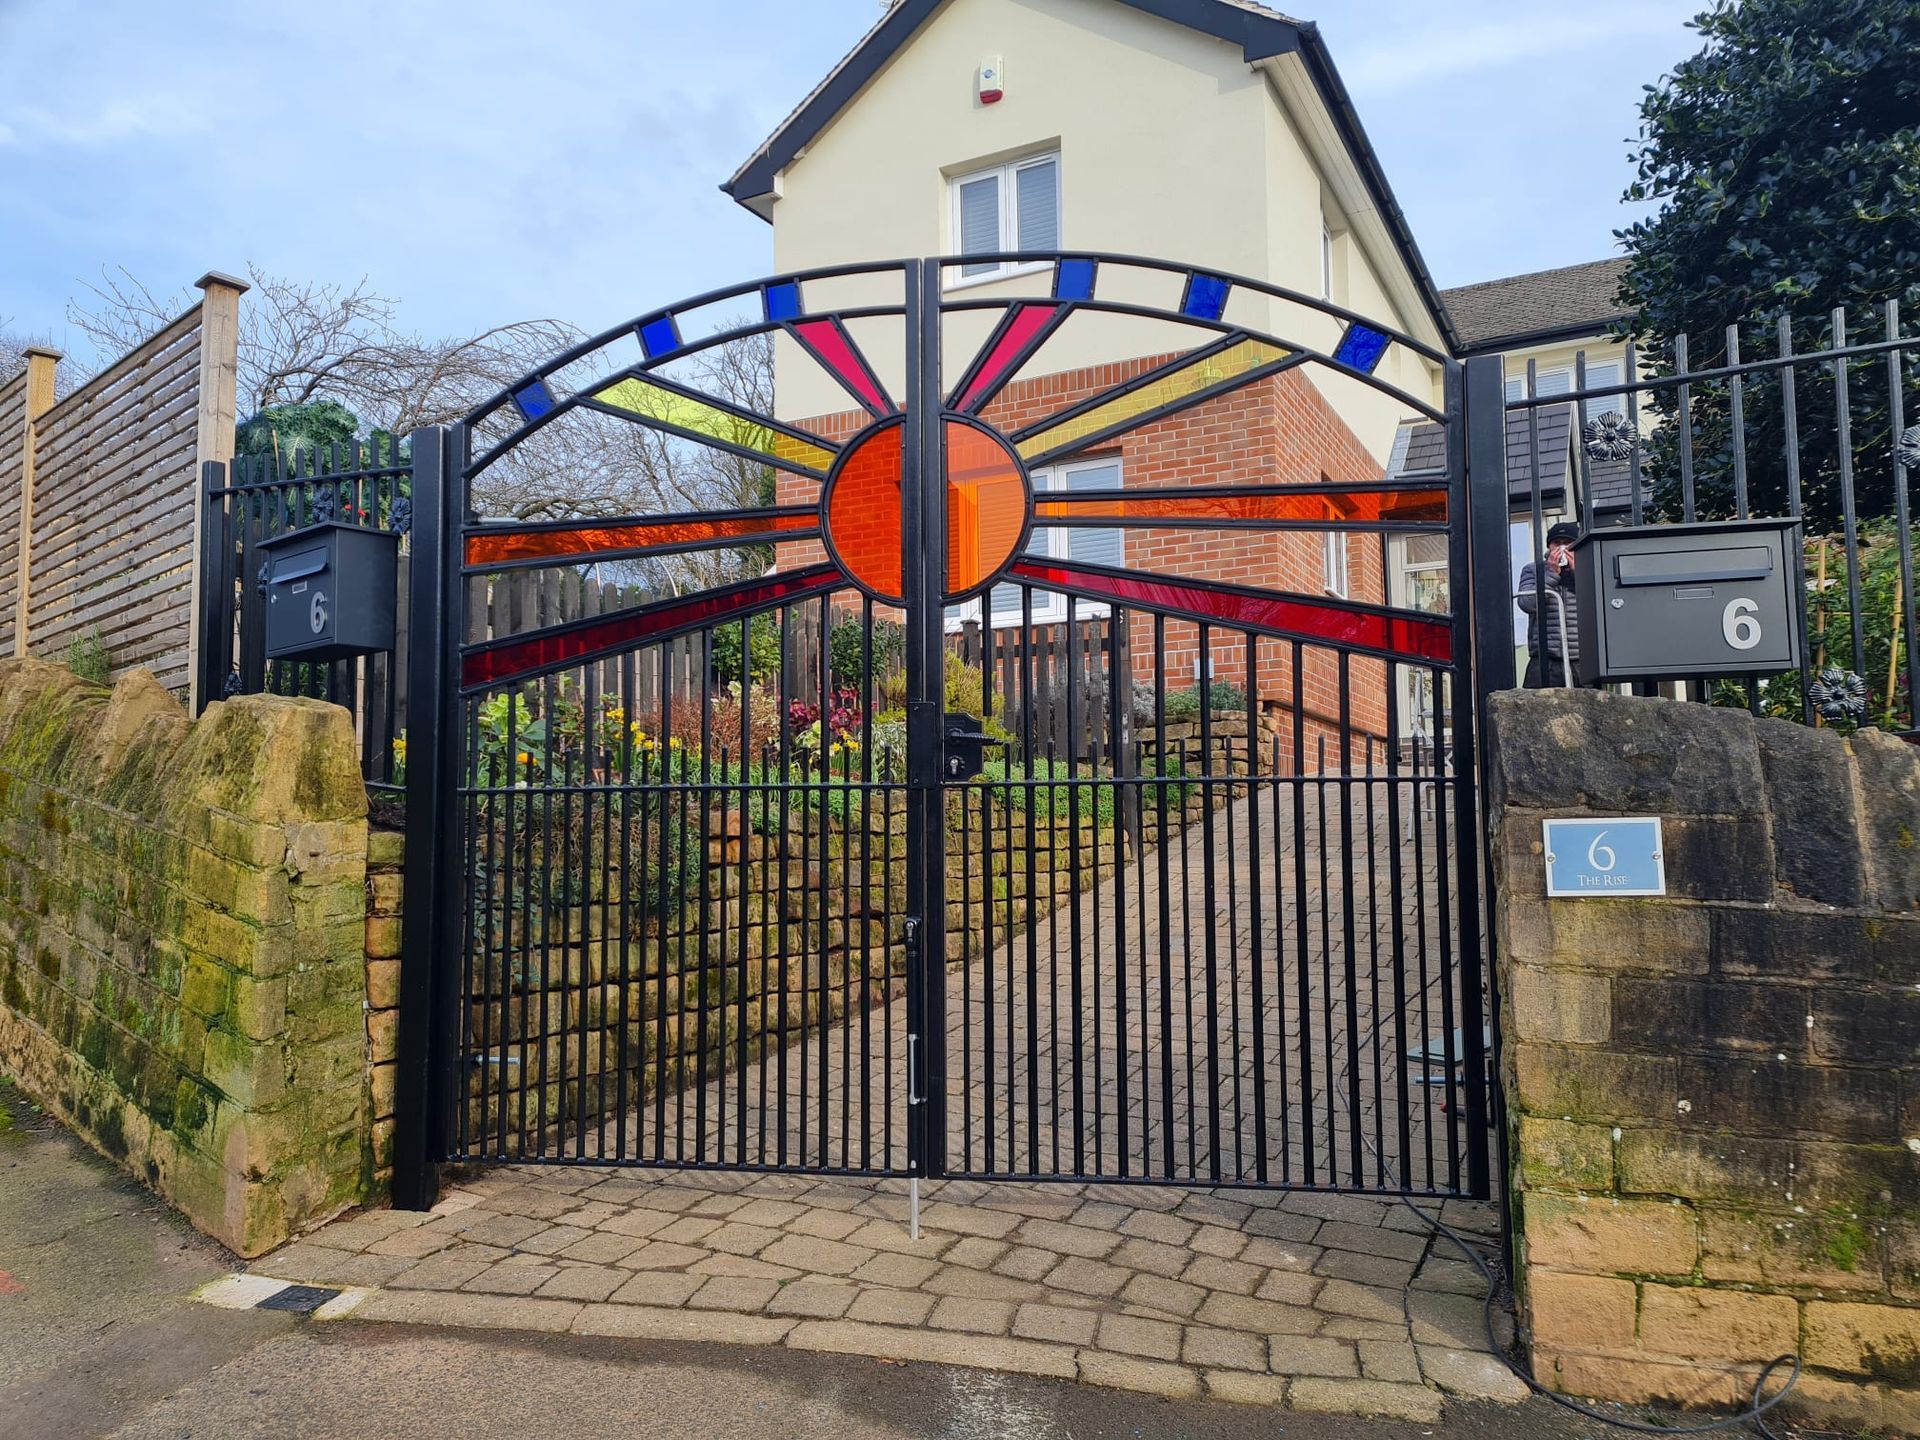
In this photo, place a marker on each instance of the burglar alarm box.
(331, 591)
(1672, 602)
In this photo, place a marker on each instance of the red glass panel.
(863, 511)
(591, 639)
(835, 349)
(505, 545)
(1028, 321)
(1403, 637)
(1304, 503)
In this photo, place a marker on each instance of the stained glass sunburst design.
(994, 429)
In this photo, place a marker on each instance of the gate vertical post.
(1464, 479)
(923, 525)
(1485, 512)
(214, 662)
(419, 1130)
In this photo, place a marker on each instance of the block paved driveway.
(1316, 1301)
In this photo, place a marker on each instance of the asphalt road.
(99, 1337)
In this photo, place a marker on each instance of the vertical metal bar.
(1737, 418)
(215, 649)
(1466, 760)
(1902, 505)
(923, 527)
(1843, 439)
(1479, 506)
(1125, 803)
(1396, 890)
(1582, 465)
(425, 1076)
(1637, 482)
(1683, 408)
(1303, 976)
(1074, 939)
(1204, 683)
(1790, 415)
(1164, 840)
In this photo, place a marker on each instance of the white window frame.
(957, 276)
(1326, 259)
(1049, 606)
(1516, 385)
(1336, 558)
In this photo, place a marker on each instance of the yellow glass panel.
(1190, 379)
(696, 417)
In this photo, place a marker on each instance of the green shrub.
(87, 657)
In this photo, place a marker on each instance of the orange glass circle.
(986, 507)
(987, 492)
(862, 513)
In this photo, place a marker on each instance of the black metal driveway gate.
(1042, 748)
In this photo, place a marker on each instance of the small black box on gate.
(332, 590)
(1675, 602)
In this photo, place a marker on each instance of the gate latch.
(966, 743)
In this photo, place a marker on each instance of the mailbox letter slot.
(1693, 567)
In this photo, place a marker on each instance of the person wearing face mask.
(1552, 649)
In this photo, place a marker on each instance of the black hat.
(1565, 533)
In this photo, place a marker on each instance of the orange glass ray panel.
(1176, 385)
(1304, 504)
(506, 545)
(863, 512)
(986, 507)
(698, 417)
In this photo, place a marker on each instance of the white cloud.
(117, 122)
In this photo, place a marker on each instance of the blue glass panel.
(659, 336)
(1206, 296)
(533, 399)
(782, 300)
(1073, 280)
(1361, 347)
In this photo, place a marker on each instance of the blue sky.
(484, 162)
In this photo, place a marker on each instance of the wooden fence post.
(40, 367)
(214, 422)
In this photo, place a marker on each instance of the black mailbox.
(1669, 602)
(966, 745)
(331, 591)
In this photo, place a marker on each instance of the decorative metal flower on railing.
(400, 516)
(1608, 437)
(1907, 452)
(1840, 696)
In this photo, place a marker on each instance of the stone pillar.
(1715, 1094)
(183, 941)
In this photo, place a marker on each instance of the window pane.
(979, 220)
(1334, 558)
(1101, 546)
(1606, 373)
(1037, 206)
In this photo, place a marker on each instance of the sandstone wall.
(1715, 1095)
(183, 926)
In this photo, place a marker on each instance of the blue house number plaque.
(1618, 856)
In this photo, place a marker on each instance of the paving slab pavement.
(100, 1336)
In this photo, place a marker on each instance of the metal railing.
(367, 484)
(1815, 430)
